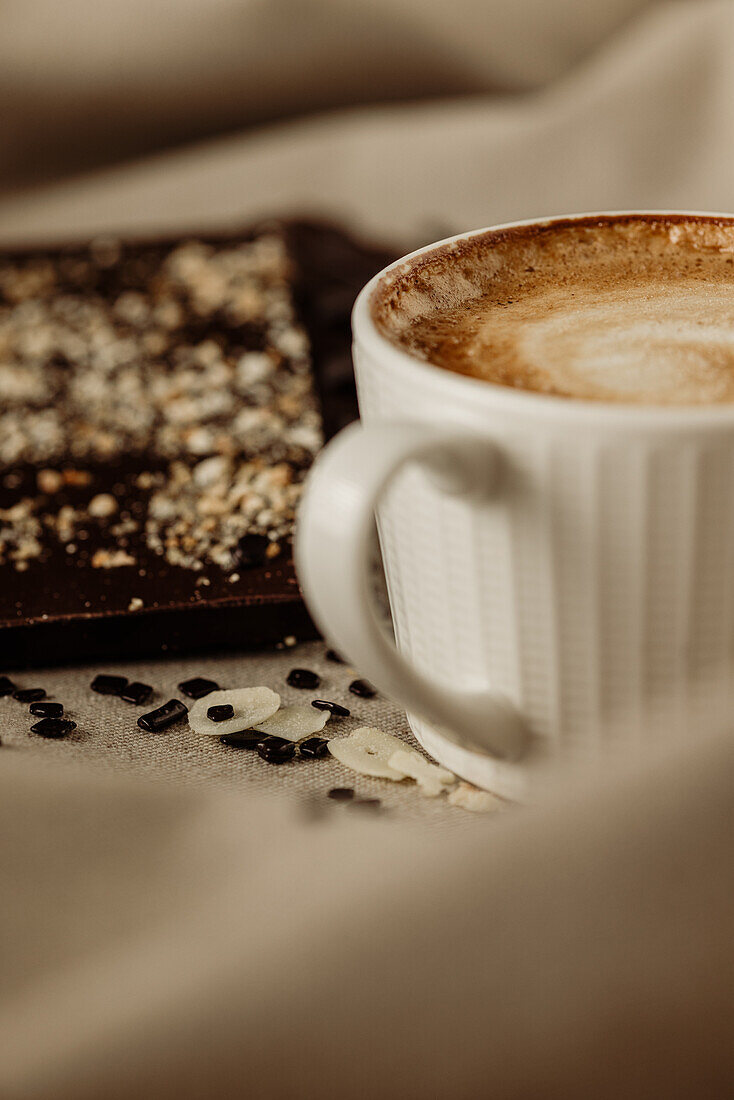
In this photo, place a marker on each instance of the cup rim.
(518, 401)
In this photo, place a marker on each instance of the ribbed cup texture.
(595, 588)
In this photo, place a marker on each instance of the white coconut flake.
(471, 798)
(367, 750)
(294, 723)
(250, 705)
(431, 778)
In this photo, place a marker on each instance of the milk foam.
(662, 344)
(630, 310)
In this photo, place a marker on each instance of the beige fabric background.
(172, 919)
(89, 80)
(642, 119)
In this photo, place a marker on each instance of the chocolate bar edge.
(262, 619)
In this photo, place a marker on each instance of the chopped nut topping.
(194, 361)
(20, 532)
(49, 481)
(111, 559)
(102, 505)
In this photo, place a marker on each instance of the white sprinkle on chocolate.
(49, 481)
(101, 506)
(111, 559)
(92, 379)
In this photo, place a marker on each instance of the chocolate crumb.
(341, 794)
(29, 695)
(198, 687)
(335, 709)
(303, 678)
(275, 750)
(105, 684)
(314, 748)
(244, 740)
(157, 720)
(53, 727)
(47, 710)
(362, 688)
(220, 713)
(136, 693)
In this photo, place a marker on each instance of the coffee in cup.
(547, 441)
(636, 309)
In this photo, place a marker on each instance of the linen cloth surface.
(180, 920)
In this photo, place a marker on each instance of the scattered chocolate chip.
(370, 804)
(275, 750)
(246, 739)
(303, 678)
(313, 748)
(220, 713)
(341, 794)
(137, 693)
(198, 687)
(156, 720)
(251, 551)
(363, 688)
(53, 727)
(336, 709)
(29, 695)
(108, 685)
(47, 710)
(7, 687)
(332, 655)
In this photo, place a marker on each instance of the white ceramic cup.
(560, 572)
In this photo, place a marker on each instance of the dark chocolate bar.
(160, 405)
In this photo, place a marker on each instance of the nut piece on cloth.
(471, 798)
(294, 723)
(431, 778)
(250, 705)
(368, 750)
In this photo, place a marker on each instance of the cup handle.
(333, 555)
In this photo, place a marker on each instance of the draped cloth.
(173, 927)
